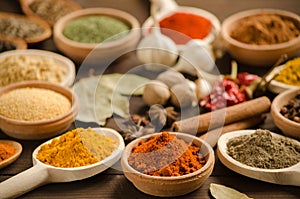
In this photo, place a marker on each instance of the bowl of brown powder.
(259, 37)
(167, 164)
(33, 110)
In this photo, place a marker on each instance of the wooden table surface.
(112, 183)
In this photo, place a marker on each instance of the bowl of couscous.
(33, 110)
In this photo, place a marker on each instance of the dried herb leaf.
(222, 192)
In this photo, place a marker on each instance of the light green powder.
(96, 29)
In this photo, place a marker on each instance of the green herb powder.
(96, 29)
(262, 150)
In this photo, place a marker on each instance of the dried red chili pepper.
(224, 93)
(246, 79)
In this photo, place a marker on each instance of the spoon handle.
(24, 182)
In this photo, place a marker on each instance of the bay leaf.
(222, 192)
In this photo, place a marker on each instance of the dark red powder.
(191, 25)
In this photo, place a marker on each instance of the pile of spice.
(166, 155)
(263, 29)
(79, 147)
(6, 45)
(6, 151)
(96, 29)
(193, 26)
(17, 68)
(262, 150)
(14, 27)
(32, 104)
(290, 74)
(292, 109)
(50, 10)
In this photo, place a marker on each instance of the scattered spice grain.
(96, 29)
(50, 10)
(17, 68)
(32, 104)
(166, 155)
(13, 27)
(262, 150)
(6, 151)
(70, 149)
(263, 29)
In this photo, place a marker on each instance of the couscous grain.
(32, 104)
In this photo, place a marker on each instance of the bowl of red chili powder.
(167, 164)
(187, 23)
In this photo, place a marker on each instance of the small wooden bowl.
(95, 53)
(45, 35)
(258, 55)
(18, 148)
(287, 126)
(169, 186)
(25, 5)
(41, 129)
(60, 60)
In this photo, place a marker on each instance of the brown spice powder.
(166, 155)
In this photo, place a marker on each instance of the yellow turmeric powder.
(290, 74)
(69, 150)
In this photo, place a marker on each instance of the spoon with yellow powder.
(43, 173)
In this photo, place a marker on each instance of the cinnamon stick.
(222, 117)
(212, 136)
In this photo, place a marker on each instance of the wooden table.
(112, 183)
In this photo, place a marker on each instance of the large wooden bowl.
(287, 126)
(40, 129)
(174, 185)
(22, 18)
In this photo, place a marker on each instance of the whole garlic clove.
(183, 95)
(171, 77)
(203, 88)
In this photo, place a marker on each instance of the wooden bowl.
(287, 126)
(169, 186)
(35, 39)
(16, 42)
(25, 5)
(18, 148)
(258, 55)
(40, 129)
(103, 53)
(60, 60)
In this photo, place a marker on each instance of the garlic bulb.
(203, 88)
(156, 92)
(171, 77)
(157, 51)
(195, 56)
(183, 95)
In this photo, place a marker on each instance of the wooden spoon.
(14, 157)
(285, 176)
(41, 174)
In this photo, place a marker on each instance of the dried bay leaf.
(101, 96)
(222, 192)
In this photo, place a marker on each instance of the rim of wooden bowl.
(47, 29)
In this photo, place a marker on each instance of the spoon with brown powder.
(41, 173)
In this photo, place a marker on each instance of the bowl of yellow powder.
(32, 64)
(107, 32)
(259, 37)
(33, 110)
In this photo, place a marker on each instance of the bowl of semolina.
(34, 110)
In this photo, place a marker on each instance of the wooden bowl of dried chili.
(167, 164)
(259, 37)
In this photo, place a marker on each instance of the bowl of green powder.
(107, 32)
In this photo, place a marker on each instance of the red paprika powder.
(193, 26)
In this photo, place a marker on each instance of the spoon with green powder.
(275, 170)
(41, 173)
